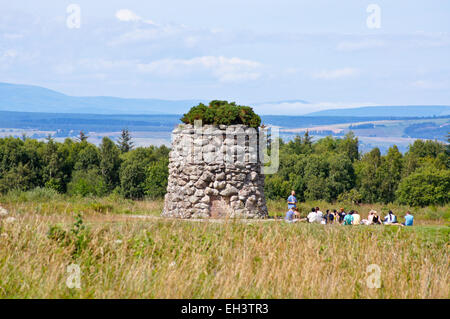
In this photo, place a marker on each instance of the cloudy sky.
(329, 53)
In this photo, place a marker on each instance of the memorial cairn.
(215, 169)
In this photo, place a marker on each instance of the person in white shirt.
(390, 218)
(312, 216)
(319, 214)
(356, 218)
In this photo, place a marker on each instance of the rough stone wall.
(215, 171)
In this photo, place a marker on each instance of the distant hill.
(395, 111)
(29, 98)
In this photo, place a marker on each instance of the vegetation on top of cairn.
(222, 112)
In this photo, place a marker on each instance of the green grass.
(130, 258)
(122, 256)
(46, 201)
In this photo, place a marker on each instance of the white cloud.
(222, 68)
(219, 68)
(336, 73)
(127, 15)
(10, 54)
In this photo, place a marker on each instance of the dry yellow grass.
(125, 257)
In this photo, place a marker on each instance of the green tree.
(157, 177)
(426, 148)
(87, 182)
(389, 175)
(132, 180)
(426, 186)
(124, 143)
(16, 178)
(341, 176)
(53, 171)
(87, 157)
(366, 175)
(316, 174)
(109, 163)
(349, 146)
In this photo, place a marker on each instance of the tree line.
(77, 167)
(328, 169)
(333, 169)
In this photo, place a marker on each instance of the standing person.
(348, 219)
(409, 219)
(292, 200)
(356, 218)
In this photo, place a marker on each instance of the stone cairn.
(215, 172)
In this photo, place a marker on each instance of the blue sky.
(247, 51)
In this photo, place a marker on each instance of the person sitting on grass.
(356, 218)
(409, 219)
(335, 216)
(292, 200)
(376, 219)
(312, 216)
(390, 218)
(370, 217)
(319, 216)
(293, 216)
(290, 215)
(329, 217)
(341, 215)
(348, 219)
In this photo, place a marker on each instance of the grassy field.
(124, 250)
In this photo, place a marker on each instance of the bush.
(275, 187)
(352, 197)
(37, 194)
(87, 183)
(222, 112)
(426, 186)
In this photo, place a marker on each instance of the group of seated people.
(344, 218)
